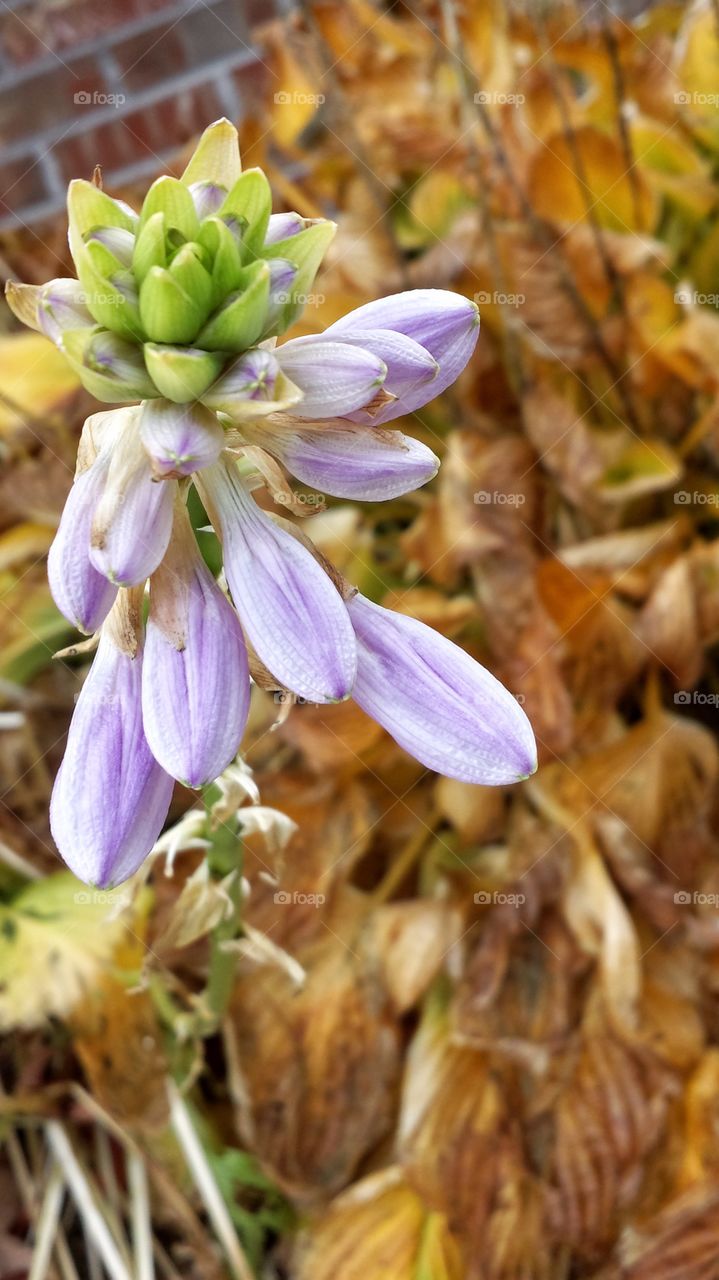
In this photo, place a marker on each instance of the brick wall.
(122, 82)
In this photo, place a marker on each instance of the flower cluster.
(179, 308)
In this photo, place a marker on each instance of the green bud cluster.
(168, 298)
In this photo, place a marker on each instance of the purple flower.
(111, 797)
(80, 592)
(195, 678)
(436, 701)
(350, 461)
(133, 519)
(290, 610)
(179, 438)
(438, 327)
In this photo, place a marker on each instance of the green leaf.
(109, 368)
(182, 373)
(150, 248)
(168, 314)
(306, 251)
(250, 200)
(216, 157)
(171, 197)
(239, 323)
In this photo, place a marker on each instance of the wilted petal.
(179, 438)
(437, 702)
(334, 377)
(290, 610)
(195, 679)
(353, 462)
(110, 797)
(83, 595)
(446, 324)
(133, 519)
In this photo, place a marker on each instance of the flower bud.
(196, 681)
(83, 595)
(179, 439)
(438, 703)
(182, 373)
(133, 519)
(111, 797)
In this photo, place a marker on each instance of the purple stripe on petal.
(179, 438)
(438, 703)
(111, 797)
(354, 462)
(334, 377)
(446, 324)
(83, 595)
(195, 679)
(290, 610)
(282, 225)
(133, 519)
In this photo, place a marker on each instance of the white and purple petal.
(195, 679)
(446, 324)
(438, 703)
(334, 377)
(283, 225)
(82, 594)
(179, 438)
(133, 519)
(111, 797)
(349, 461)
(290, 610)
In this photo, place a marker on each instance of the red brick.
(47, 101)
(21, 183)
(135, 135)
(150, 58)
(41, 28)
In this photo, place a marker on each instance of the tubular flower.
(177, 315)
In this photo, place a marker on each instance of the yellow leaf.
(34, 377)
(56, 937)
(566, 181)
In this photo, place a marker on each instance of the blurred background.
(437, 1032)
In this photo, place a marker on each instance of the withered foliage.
(467, 1034)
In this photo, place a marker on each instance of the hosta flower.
(178, 316)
